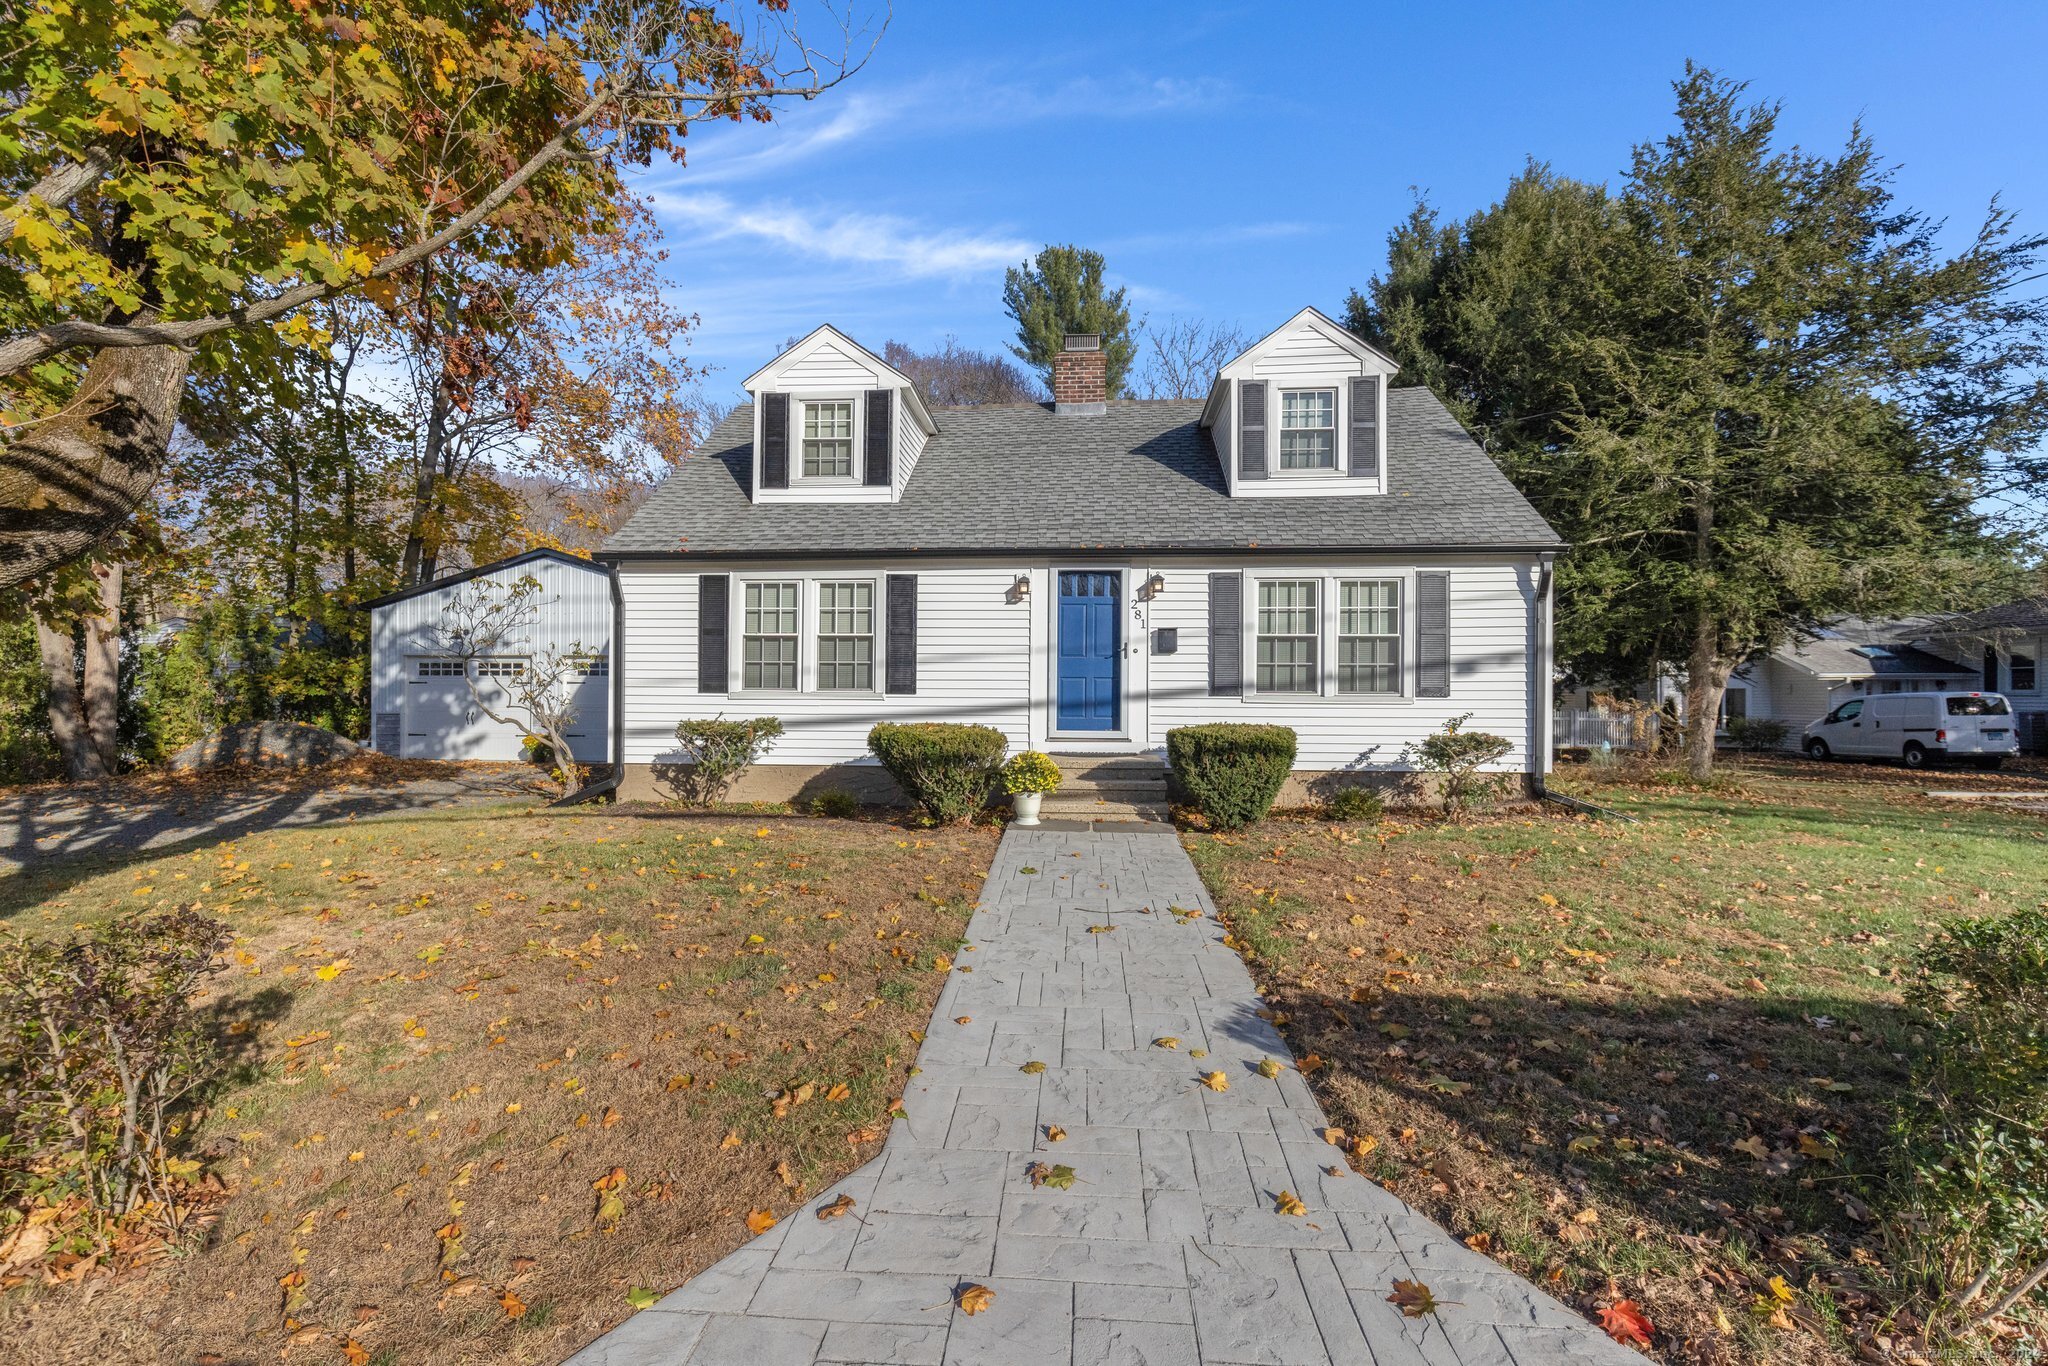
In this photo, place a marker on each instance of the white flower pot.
(1026, 806)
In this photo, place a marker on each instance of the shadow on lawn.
(1526, 1110)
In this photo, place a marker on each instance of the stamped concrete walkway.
(1167, 1251)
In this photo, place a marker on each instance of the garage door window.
(501, 668)
(439, 668)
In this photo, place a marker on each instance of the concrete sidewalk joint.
(1167, 1250)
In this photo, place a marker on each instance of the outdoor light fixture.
(1020, 590)
(1154, 586)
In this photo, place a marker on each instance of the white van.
(1918, 728)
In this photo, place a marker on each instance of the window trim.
(2033, 666)
(800, 404)
(1399, 635)
(807, 634)
(1326, 692)
(1317, 658)
(1339, 465)
(818, 637)
(738, 664)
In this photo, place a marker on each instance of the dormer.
(1302, 412)
(834, 424)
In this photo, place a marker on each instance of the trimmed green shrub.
(835, 802)
(1457, 755)
(1757, 733)
(1030, 771)
(947, 769)
(1971, 1173)
(1231, 771)
(1355, 804)
(719, 751)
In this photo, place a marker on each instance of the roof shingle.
(1143, 476)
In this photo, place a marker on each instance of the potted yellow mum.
(1027, 777)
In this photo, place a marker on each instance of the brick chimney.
(1080, 374)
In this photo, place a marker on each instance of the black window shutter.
(713, 599)
(881, 432)
(1251, 430)
(901, 673)
(1432, 635)
(775, 441)
(1365, 428)
(1990, 669)
(1226, 635)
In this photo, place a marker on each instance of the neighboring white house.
(420, 702)
(2007, 643)
(1308, 546)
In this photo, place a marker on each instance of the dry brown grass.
(445, 1032)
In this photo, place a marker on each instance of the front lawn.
(1646, 1061)
(492, 1075)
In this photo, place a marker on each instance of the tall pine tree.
(1059, 291)
(1753, 392)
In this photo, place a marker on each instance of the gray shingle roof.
(1019, 478)
(2022, 614)
(1842, 659)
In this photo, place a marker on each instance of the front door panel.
(1090, 652)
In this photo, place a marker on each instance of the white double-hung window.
(828, 439)
(1308, 429)
(846, 636)
(1369, 636)
(1287, 634)
(768, 636)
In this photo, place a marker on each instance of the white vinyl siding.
(768, 649)
(1369, 636)
(1308, 429)
(1288, 630)
(846, 636)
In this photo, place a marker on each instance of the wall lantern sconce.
(1154, 586)
(1019, 590)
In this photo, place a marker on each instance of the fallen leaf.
(1054, 1133)
(836, 1208)
(1287, 1202)
(963, 1019)
(1413, 1299)
(1059, 1178)
(640, 1297)
(1166, 1041)
(1334, 1137)
(1817, 1149)
(1752, 1145)
(514, 1306)
(1216, 1081)
(1624, 1322)
(972, 1299)
(759, 1221)
(1268, 1068)
(354, 1353)
(731, 1140)
(1034, 1067)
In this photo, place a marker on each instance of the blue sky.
(1235, 162)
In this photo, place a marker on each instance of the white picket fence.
(1587, 728)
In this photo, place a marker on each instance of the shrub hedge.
(1231, 771)
(947, 769)
(719, 751)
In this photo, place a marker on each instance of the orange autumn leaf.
(1413, 1299)
(1624, 1322)
(513, 1305)
(759, 1221)
(611, 1180)
(354, 1353)
(836, 1208)
(972, 1299)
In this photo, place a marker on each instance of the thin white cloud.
(781, 145)
(883, 240)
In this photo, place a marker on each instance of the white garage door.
(442, 720)
(589, 739)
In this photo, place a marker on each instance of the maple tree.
(177, 170)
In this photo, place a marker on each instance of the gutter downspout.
(617, 729)
(1542, 683)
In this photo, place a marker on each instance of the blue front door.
(1091, 650)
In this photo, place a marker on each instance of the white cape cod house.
(1309, 546)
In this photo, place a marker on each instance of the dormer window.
(828, 439)
(1308, 429)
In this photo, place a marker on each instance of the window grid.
(769, 637)
(1308, 429)
(1369, 636)
(1287, 636)
(501, 668)
(828, 440)
(846, 636)
(440, 668)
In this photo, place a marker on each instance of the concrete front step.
(1122, 791)
(1072, 809)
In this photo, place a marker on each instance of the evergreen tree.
(1749, 389)
(1061, 291)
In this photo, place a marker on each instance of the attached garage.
(421, 703)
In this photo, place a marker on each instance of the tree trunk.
(1706, 679)
(103, 673)
(409, 567)
(69, 481)
(67, 720)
